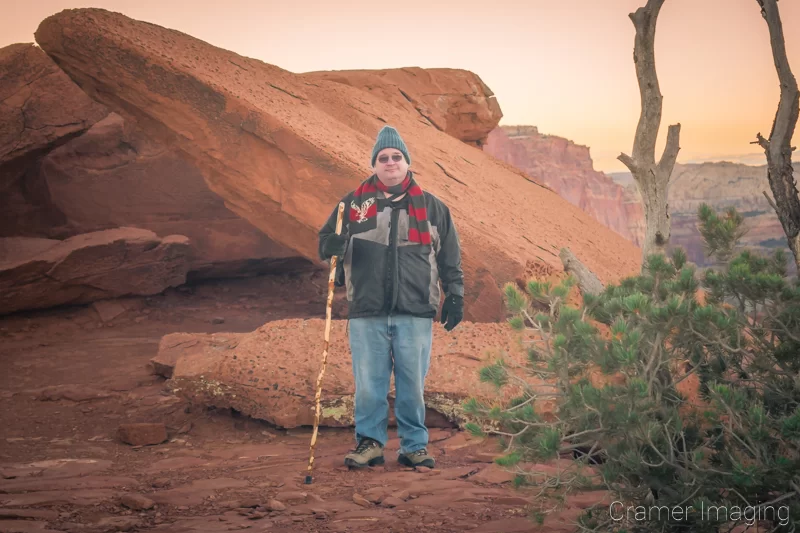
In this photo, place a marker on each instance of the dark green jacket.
(386, 274)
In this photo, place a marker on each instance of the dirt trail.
(69, 379)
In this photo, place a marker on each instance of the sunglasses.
(395, 157)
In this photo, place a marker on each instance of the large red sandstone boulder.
(65, 171)
(282, 148)
(41, 273)
(72, 180)
(271, 373)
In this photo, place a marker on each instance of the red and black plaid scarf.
(364, 207)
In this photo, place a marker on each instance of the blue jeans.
(378, 345)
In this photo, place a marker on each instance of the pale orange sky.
(564, 66)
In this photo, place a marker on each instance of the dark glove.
(452, 311)
(334, 245)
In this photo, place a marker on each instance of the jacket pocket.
(414, 279)
(367, 272)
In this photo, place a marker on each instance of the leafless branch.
(761, 141)
(629, 162)
(671, 149)
(771, 203)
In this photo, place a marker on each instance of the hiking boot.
(417, 458)
(369, 452)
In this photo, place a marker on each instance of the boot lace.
(365, 445)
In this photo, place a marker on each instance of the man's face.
(391, 166)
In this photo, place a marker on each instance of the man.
(397, 244)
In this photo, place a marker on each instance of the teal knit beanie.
(389, 138)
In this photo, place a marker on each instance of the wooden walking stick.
(331, 278)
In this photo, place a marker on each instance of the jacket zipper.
(392, 274)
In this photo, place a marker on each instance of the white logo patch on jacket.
(361, 212)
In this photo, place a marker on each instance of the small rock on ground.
(142, 434)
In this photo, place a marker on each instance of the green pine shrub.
(679, 390)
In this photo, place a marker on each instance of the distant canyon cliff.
(567, 169)
(614, 200)
(720, 185)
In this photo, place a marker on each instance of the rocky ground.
(72, 377)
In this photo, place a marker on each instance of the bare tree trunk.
(778, 148)
(651, 178)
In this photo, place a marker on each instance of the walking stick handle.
(331, 278)
(339, 218)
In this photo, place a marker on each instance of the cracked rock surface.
(39, 104)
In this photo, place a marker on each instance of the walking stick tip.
(308, 480)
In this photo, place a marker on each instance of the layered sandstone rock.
(271, 373)
(70, 167)
(40, 108)
(282, 148)
(722, 185)
(114, 175)
(42, 273)
(40, 104)
(76, 168)
(567, 169)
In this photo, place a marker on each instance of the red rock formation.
(271, 373)
(40, 108)
(66, 171)
(39, 104)
(456, 102)
(106, 264)
(568, 170)
(113, 175)
(281, 149)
